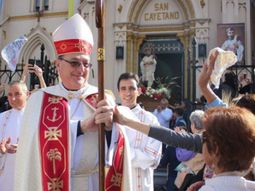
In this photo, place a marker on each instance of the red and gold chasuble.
(54, 143)
(114, 177)
(113, 180)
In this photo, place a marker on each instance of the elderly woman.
(191, 168)
(228, 146)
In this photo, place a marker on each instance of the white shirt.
(164, 116)
(228, 183)
(9, 127)
(145, 152)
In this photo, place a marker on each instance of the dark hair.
(231, 80)
(179, 111)
(126, 76)
(230, 135)
(247, 101)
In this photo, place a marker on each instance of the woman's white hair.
(196, 117)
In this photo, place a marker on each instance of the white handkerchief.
(224, 60)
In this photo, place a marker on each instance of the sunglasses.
(76, 63)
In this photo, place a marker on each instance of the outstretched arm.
(204, 79)
(176, 139)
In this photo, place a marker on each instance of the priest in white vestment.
(10, 122)
(145, 151)
(58, 147)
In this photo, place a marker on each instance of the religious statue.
(148, 66)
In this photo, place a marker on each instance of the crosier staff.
(100, 62)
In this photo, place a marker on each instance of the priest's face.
(128, 92)
(17, 96)
(74, 70)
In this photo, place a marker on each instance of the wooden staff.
(100, 62)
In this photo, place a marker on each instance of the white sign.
(10, 52)
(161, 12)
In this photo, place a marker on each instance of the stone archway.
(39, 49)
(36, 38)
(181, 27)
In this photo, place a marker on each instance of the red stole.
(114, 177)
(113, 180)
(54, 143)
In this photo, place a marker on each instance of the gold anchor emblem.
(53, 119)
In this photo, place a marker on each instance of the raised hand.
(7, 147)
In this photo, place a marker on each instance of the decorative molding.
(230, 2)
(201, 21)
(120, 8)
(184, 9)
(201, 34)
(190, 8)
(242, 5)
(35, 15)
(120, 36)
(202, 3)
(85, 15)
(4, 21)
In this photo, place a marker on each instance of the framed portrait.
(231, 37)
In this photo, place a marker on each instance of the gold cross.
(81, 45)
(54, 99)
(116, 179)
(52, 134)
(55, 185)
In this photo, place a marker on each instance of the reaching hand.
(118, 116)
(123, 115)
(207, 70)
(7, 147)
(104, 113)
(88, 125)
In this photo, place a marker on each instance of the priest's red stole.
(114, 177)
(54, 141)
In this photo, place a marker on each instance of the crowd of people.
(49, 138)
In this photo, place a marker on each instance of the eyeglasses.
(76, 63)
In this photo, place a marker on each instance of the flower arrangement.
(160, 89)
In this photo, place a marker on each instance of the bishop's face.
(74, 70)
(128, 92)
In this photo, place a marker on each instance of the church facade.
(179, 33)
